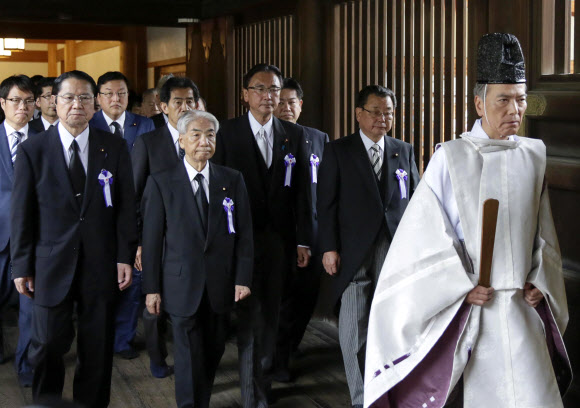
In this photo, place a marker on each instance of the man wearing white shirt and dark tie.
(45, 104)
(17, 101)
(153, 152)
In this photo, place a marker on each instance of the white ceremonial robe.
(422, 336)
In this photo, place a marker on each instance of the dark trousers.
(155, 328)
(21, 363)
(130, 302)
(272, 257)
(52, 336)
(6, 291)
(199, 346)
(298, 303)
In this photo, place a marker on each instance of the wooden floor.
(320, 380)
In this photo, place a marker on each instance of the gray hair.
(480, 90)
(192, 116)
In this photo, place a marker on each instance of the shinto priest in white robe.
(422, 336)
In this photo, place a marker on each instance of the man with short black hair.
(17, 101)
(364, 186)
(160, 119)
(44, 102)
(153, 152)
(73, 238)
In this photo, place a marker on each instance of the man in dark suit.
(160, 119)
(44, 102)
(364, 186)
(301, 289)
(73, 238)
(17, 101)
(269, 153)
(153, 152)
(113, 97)
(197, 254)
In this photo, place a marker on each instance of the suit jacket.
(36, 125)
(153, 152)
(49, 226)
(158, 120)
(179, 261)
(6, 182)
(351, 212)
(134, 126)
(314, 141)
(285, 209)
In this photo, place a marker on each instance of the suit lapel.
(97, 155)
(183, 189)
(167, 144)
(280, 150)
(390, 165)
(58, 165)
(5, 156)
(218, 190)
(366, 173)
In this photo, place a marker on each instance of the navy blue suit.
(134, 126)
(22, 366)
(130, 300)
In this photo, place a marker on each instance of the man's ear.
(479, 107)
(163, 107)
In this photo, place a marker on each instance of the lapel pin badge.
(396, 154)
(224, 188)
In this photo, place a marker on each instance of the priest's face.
(375, 118)
(503, 109)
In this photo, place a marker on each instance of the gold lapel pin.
(102, 150)
(396, 154)
(134, 124)
(224, 188)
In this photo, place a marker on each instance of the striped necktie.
(13, 149)
(376, 160)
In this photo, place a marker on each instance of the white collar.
(46, 123)
(174, 133)
(369, 143)
(66, 138)
(120, 121)
(477, 131)
(10, 129)
(191, 172)
(256, 126)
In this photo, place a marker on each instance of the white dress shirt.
(268, 131)
(82, 140)
(47, 124)
(369, 144)
(120, 121)
(191, 172)
(174, 136)
(9, 130)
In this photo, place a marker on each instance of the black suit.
(72, 251)
(36, 125)
(358, 215)
(281, 220)
(195, 274)
(152, 152)
(158, 120)
(301, 289)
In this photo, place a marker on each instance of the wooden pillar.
(52, 67)
(133, 57)
(70, 58)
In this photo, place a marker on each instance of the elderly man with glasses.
(73, 240)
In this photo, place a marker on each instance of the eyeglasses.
(261, 90)
(377, 114)
(83, 99)
(46, 97)
(109, 95)
(18, 101)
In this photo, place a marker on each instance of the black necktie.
(201, 201)
(182, 153)
(77, 172)
(117, 127)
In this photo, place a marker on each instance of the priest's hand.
(479, 295)
(25, 286)
(331, 262)
(532, 295)
(153, 303)
(241, 292)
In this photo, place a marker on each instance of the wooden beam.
(39, 41)
(70, 59)
(52, 67)
(27, 56)
(171, 61)
(60, 54)
(89, 47)
(62, 31)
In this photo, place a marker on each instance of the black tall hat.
(500, 60)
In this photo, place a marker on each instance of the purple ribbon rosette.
(105, 180)
(228, 204)
(402, 177)
(289, 162)
(314, 163)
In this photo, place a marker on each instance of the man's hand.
(532, 295)
(303, 256)
(138, 265)
(331, 262)
(153, 303)
(22, 288)
(241, 292)
(479, 295)
(124, 275)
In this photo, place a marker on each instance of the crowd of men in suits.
(105, 213)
